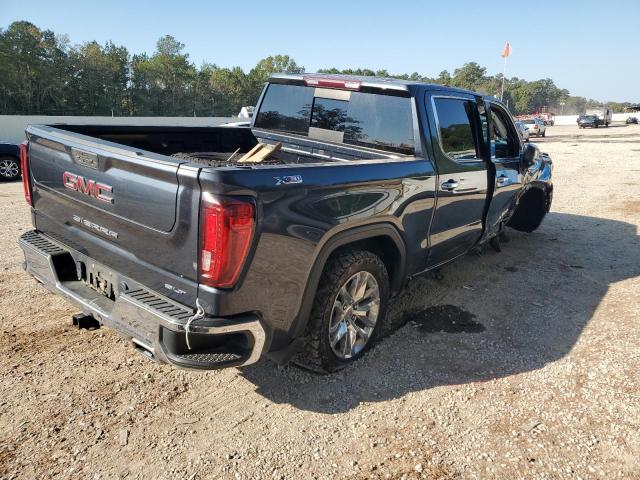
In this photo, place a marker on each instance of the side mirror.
(528, 155)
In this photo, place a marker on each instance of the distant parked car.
(603, 114)
(589, 121)
(523, 131)
(9, 162)
(549, 119)
(536, 127)
(631, 120)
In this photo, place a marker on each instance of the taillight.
(226, 229)
(535, 127)
(24, 167)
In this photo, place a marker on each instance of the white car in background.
(522, 131)
(536, 127)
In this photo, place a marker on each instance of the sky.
(591, 48)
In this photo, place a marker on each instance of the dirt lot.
(520, 364)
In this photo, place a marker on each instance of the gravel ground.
(520, 364)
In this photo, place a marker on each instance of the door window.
(456, 119)
(504, 139)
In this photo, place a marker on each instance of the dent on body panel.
(509, 182)
(506, 177)
(546, 170)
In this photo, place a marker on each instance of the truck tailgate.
(134, 211)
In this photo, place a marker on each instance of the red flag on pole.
(506, 51)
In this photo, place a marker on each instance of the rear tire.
(9, 169)
(329, 344)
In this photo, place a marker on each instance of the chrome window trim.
(476, 160)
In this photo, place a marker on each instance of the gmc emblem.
(90, 188)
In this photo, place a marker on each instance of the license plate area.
(98, 278)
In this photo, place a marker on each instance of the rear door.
(462, 175)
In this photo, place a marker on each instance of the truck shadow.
(493, 315)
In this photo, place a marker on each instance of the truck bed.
(222, 146)
(154, 176)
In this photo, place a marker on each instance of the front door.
(462, 176)
(505, 156)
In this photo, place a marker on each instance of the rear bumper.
(155, 324)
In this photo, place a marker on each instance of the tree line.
(42, 73)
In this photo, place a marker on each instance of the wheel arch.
(532, 207)
(383, 239)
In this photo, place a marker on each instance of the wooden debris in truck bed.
(260, 152)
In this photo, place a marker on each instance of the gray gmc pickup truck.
(205, 258)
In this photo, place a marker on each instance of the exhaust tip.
(143, 349)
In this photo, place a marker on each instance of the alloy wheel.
(354, 315)
(9, 169)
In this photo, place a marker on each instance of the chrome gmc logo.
(90, 188)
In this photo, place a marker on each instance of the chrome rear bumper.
(154, 323)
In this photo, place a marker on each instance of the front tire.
(9, 169)
(348, 311)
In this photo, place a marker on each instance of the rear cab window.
(379, 121)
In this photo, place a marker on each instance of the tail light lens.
(226, 229)
(24, 169)
(535, 127)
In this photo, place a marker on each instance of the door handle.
(449, 185)
(502, 179)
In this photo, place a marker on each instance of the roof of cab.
(383, 83)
